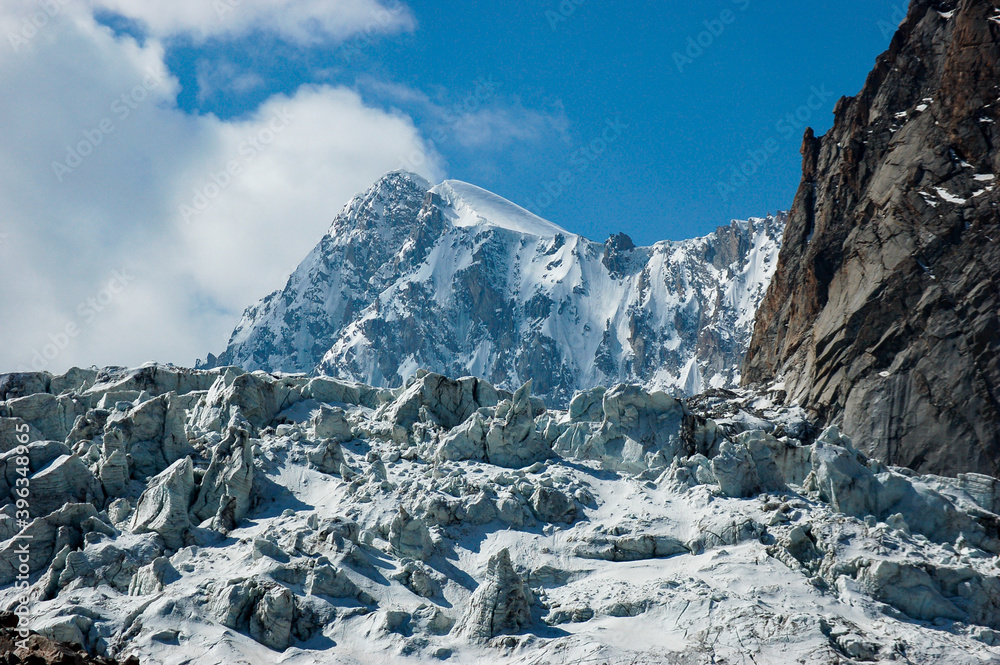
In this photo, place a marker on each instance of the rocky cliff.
(460, 281)
(884, 313)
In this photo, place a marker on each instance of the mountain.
(884, 314)
(459, 281)
(221, 517)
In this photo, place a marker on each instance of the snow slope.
(460, 281)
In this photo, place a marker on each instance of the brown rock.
(884, 314)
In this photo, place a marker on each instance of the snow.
(478, 207)
(984, 177)
(948, 196)
(691, 378)
(344, 308)
(724, 603)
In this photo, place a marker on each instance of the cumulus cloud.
(133, 231)
(303, 21)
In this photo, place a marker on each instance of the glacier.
(224, 516)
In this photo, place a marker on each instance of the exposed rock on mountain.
(343, 529)
(461, 282)
(884, 314)
(35, 649)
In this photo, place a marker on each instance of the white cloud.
(304, 21)
(96, 255)
(484, 118)
(220, 77)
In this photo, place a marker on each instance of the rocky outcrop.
(501, 605)
(37, 649)
(507, 436)
(163, 507)
(439, 400)
(883, 314)
(228, 479)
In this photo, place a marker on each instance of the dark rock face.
(38, 650)
(884, 313)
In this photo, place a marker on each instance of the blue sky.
(164, 165)
(686, 124)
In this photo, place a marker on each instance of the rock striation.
(884, 314)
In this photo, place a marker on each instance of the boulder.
(230, 473)
(331, 423)
(163, 507)
(513, 440)
(410, 537)
(551, 505)
(501, 605)
(439, 400)
(64, 480)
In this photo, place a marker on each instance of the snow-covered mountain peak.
(471, 206)
(386, 203)
(460, 281)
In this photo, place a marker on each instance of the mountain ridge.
(457, 280)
